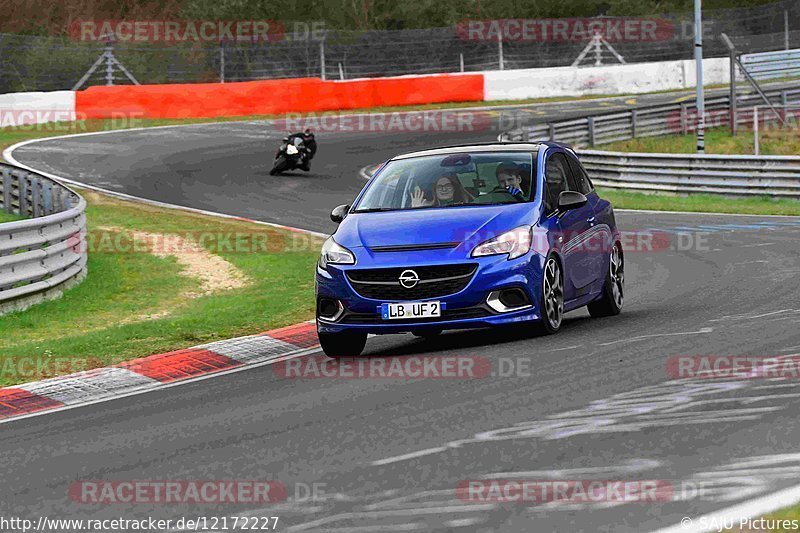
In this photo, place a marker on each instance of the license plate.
(411, 310)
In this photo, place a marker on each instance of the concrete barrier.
(23, 109)
(634, 78)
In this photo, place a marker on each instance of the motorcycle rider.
(307, 144)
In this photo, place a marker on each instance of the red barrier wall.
(274, 96)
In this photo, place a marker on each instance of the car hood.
(431, 226)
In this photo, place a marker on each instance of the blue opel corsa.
(468, 237)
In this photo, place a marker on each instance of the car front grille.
(434, 281)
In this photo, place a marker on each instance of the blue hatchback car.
(468, 237)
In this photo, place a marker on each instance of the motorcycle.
(290, 156)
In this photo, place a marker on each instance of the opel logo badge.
(409, 279)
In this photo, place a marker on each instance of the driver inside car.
(509, 182)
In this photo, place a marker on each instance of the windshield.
(485, 178)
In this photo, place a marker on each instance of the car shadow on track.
(461, 339)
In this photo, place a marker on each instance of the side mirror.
(568, 200)
(338, 213)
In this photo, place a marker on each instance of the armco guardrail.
(770, 65)
(649, 121)
(777, 176)
(743, 175)
(42, 256)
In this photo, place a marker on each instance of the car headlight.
(515, 243)
(335, 254)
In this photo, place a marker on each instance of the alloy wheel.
(553, 293)
(617, 276)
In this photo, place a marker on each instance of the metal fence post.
(322, 59)
(591, 130)
(552, 131)
(786, 27)
(500, 52)
(221, 63)
(755, 130)
(733, 98)
(461, 61)
(633, 123)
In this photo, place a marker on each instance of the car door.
(572, 225)
(600, 238)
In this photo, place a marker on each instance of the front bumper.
(464, 309)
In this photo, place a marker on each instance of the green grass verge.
(718, 141)
(8, 217)
(705, 203)
(134, 304)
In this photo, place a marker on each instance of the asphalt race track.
(225, 167)
(593, 402)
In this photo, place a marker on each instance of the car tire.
(345, 344)
(612, 298)
(551, 297)
(427, 334)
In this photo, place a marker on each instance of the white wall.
(18, 109)
(635, 78)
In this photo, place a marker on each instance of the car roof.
(478, 147)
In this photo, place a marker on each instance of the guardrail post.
(633, 123)
(47, 198)
(7, 190)
(35, 197)
(591, 130)
(785, 103)
(23, 196)
(552, 131)
(684, 119)
(58, 200)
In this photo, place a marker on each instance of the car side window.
(556, 172)
(583, 183)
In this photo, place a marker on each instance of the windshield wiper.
(375, 209)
